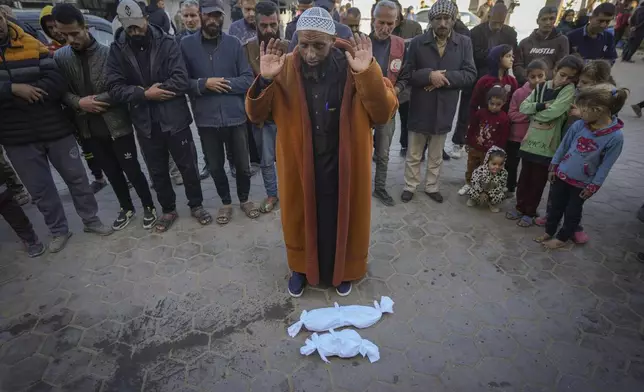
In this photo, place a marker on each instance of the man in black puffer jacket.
(35, 131)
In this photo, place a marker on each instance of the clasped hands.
(437, 79)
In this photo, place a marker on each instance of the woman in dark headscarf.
(567, 22)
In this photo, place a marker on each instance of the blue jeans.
(265, 137)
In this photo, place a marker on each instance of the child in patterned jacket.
(489, 180)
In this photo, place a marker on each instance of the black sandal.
(202, 216)
(250, 209)
(165, 221)
(224, 214)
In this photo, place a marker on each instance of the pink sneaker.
(580, 237)
(540, 221)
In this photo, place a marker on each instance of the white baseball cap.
(130, 14)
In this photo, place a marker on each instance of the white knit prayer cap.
(316, 19)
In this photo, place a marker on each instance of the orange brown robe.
(368, 99)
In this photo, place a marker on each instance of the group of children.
(563, 130)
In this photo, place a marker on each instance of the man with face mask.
(545, 43)
(145, 70)
(493, 33)
(438, 64)
(388, 51)
(592, 41)
(244, 29)
(265, 133)
(106, 128)
(219, 78)
(324, 98)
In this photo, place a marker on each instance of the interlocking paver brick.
(61, 341)
(20, 348)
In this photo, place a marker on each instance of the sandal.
(513, 215)
(165, 221)
(542, 238)
(525, 221)
(224, 214)
(202, 216)
(250, 209)
(268, 204)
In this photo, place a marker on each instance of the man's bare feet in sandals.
(202, 216)
(224, 214)
(542, 238)
(268, 205)
(553, 244)
(165, 221)
(250, 209)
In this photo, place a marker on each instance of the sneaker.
(123, 219)
(464, 189)
(22, 197)
(97, 185)
(457, 152)
(204, 173)
(580, 238)
(98, 228)
(296, 284)
(35, 250)
(406, 196)
(494, 208)
(638, 110)
(470, 203)
(384, 197)
(540, 221)
(58, 242)
(149, 217)
(344, 289)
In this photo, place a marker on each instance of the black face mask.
(138, 40)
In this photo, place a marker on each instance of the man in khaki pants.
(439, 63)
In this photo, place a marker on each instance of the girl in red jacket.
(500, 61)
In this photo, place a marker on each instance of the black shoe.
(97, 185)
(384, 197)
(149, 217)
(204, 173)
(446, 156)
(406, 196)
(123, 219)
(436, 196)
(296, 284)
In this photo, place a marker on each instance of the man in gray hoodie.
(545, 43)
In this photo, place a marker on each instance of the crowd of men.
(312, 112)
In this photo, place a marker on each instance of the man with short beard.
(219, 78)
(492, 33)
(592, 41)
(267, 16)
(388, 50)
(324, 98)
(146, 71)
(244, 29)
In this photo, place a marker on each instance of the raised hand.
(362, 53)
(271, 58)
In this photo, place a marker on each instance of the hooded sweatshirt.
(585, 156)
(519, 121)
(484, 181)
(44, 14)
(508, 82)
(550, 50)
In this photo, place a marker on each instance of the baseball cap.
(209, 6)
(130, 14)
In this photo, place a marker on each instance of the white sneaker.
(494, 208)
(457, 152)
(470, 203)
(464, 190)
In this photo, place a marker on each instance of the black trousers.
(235, 139)
(632, 45)
(403, 111)
(16, 218)
(118, 158)
(564, 202)
(512, 163)
(255, 157)
(462, 121)
(92, 163)
(181, 146)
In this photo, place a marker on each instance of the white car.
(466, 17)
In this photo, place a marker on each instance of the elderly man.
(592, 41)
(487, 35)
(244, 29)
(388, 51)
(324, 98)
(146, 71)
(189, 12)
(219, 78)
(439, 63)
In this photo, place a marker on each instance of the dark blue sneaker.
(36, 249)
(296, 284)
(344, 289)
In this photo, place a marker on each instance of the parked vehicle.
(470, 20)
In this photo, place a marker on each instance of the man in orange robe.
(324, 97)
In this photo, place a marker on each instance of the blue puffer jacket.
(212, 109)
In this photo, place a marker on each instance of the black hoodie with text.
(550, 50)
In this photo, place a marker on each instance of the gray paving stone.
(61, 341)
(69, 366)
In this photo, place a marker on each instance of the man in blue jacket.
(146, 71)
(219, 78)
(592, 41)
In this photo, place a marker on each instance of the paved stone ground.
(479, 305)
